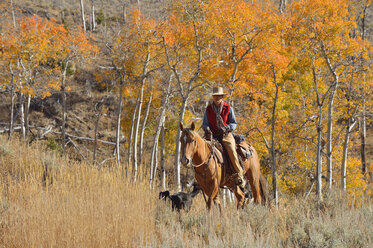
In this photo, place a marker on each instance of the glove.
(224, 130)
(208, 133)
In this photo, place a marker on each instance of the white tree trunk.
(282, 5)
(162, 115)
(138, 114)
(318, 157)
(27, 110)
(63, 90)
(274, 173)
(329, 143)
(11, 122)
(124, 13)
(136, 131)
(177, 150)
(131, 134)
(138, 117)
(143, 126)
(363, 130)
(163, 159)
(13, 16)
(22, 117)
(154, 161)
(96, 131)
(363, 138)
(83, 18)
(93, 21)
(119, 112)
(320, 103)
(349, 127)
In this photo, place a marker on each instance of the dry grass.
(79, 205)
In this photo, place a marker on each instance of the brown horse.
(209, 172)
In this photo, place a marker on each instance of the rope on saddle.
(216, 167)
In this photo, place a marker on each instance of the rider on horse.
(220, 119)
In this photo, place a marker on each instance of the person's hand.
(208, 130)
(208, 133)
(224, 130)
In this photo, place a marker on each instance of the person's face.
(218, 99)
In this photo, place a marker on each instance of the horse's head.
(188, 144)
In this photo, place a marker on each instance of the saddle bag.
(244, 152)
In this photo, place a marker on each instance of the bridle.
(205, 162)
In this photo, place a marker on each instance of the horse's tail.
(263, 189)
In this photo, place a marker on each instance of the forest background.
(105, 84)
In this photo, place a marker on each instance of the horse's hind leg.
(239, 195)
(254, 184)
(263, 189)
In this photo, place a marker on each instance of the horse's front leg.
(209, 204)
(213, 195)
(217, 202)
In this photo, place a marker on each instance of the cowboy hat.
(218, 91)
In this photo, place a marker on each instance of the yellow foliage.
(45, 94)
(356, 183)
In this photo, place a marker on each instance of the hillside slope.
(86, 94)
(49, 201)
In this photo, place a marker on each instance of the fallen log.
(50, 130)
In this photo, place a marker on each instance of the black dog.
(181, 200)
(164, 194)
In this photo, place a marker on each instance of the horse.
(197, 153)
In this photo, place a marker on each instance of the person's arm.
(232, 123)
(205, 122)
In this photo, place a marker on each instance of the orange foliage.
(37, 49)
(243, 44)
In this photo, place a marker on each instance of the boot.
(240, 181)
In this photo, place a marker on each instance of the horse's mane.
(193, 132)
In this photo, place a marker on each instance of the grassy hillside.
(47, 201)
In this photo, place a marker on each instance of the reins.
(207, 160)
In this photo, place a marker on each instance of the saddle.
(243, 149)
